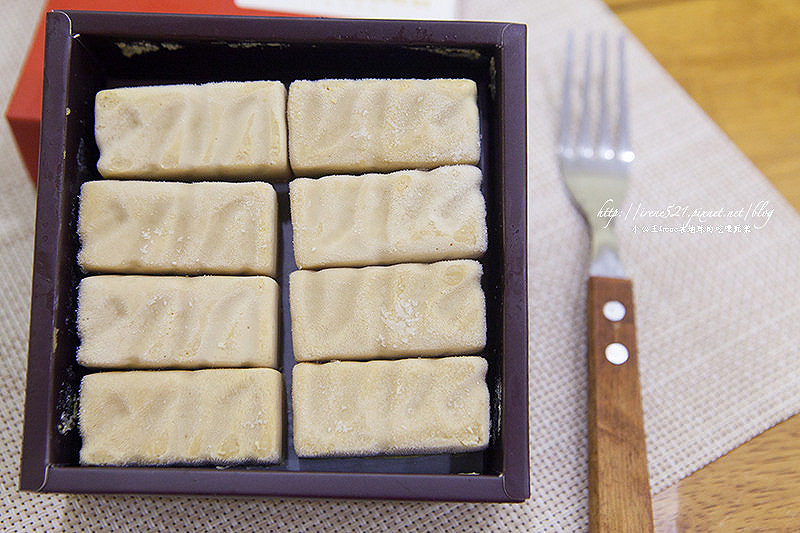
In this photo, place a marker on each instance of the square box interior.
(90, 51)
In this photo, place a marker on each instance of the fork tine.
(564, 142)
(584, 146)
(624, 151)
(604, 129)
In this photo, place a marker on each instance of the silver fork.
(595, 171)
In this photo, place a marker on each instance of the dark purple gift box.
(85, 53)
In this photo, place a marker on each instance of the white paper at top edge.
(374, 9)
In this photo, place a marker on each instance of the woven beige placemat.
(716, 311)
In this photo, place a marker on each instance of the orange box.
(25, 106)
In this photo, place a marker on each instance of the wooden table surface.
(740, 61)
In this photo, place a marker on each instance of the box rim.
(278, 483)
(141, 25)
(35, 444)
(516, 449)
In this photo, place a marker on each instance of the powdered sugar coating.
(378, 219)
(381, 125)
(136, 321)
(407, 406)
(382, 312)
(181, 416)
(232, 130)
(178, 228)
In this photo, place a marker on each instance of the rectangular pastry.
(403, 217)
(178, 322)
(144, 227)
(407, 406)
(382, 312)
(181, 416)
(380, 125)
(230, 130)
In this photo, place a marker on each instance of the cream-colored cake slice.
(382, 312)
(230, 130)
(181, 416)
(406, 406)
(136, 321)
(380, 125)
(142, 227)
(377, 219)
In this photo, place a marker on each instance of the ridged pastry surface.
(142, 227)
(383, 312)
(137, 321)
(407, 406)
(231, 130)
(377, 219)
(181, 416)
(381, 125)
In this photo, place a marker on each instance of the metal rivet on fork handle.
(616, 353)
(614, 310)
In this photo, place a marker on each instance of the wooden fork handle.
(619, 484)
